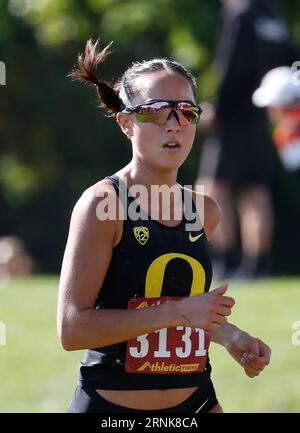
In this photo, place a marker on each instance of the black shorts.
(239, 155)
(89, 401)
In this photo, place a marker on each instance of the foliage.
(54, 140)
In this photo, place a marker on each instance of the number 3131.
(181, 352)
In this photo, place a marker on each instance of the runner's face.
(150, 141)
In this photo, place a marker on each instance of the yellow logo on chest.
(141, 234)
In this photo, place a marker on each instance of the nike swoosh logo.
(194, 238)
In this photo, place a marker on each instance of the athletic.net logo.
(168, 368)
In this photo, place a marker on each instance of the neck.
(138, 172)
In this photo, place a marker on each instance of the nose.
(172, 122)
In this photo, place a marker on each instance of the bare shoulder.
(96, 193)
(209, 210)
(96, 209)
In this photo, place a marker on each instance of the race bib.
(179, 350)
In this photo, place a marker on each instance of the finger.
(254, 362)
(259, 360)
(220, 319)
(251, 372)
(224, 311)
(220, 290)
(253, 365)
(227, 301)
(265, 351)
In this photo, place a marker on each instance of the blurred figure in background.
(14, 259)
(236, 162)
(279, 92)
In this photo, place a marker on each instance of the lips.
(171, 145)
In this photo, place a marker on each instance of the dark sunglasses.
(158, 111)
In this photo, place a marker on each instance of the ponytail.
(87, 71)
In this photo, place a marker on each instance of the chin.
(171, 164)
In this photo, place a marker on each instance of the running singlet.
(152, 264)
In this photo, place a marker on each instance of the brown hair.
(114, 97)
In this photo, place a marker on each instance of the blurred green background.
(55, 142)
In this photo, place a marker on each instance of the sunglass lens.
(188, 114)
(157, 113)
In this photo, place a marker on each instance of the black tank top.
(128, 276)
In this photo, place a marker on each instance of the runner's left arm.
(250, 352)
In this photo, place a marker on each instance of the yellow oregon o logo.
(156, 271)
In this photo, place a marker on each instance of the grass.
(37, 375)
(267, 310)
